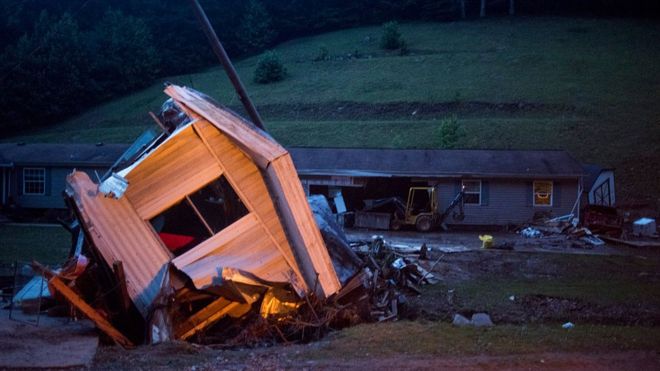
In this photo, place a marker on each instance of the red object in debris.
(603, 220)
(175, 242)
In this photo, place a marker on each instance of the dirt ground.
(535, 285)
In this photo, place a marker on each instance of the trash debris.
(530, 232)
(461, 321)
(481, 320)
(568, 325)
(644, 227)
(486, 241)
(477, 320)
(205, 233)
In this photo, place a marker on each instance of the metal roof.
(435, 162)
(60, 154)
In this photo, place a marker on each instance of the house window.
(602, 194)
(472, 192)
(199, 216)
(34, 181)
(543, 193)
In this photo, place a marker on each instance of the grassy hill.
(588, 86)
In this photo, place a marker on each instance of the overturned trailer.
(202, 222)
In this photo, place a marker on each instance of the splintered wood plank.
(103, 324)
(174, 169)
(252, 140)
(301, 226)
(208, 316)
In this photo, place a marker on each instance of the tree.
(255, 31)
(46, 73)
(269, 69)
(450, 132)
(125, 57)
(391, 37)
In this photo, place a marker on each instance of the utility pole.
(482, 10)
(220, 52)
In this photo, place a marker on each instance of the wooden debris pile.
(203, 230)
(561, 230)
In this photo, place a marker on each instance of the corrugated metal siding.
(509, 201)
(249, 184)
(175, 169)
(121, 235)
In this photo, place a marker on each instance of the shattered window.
(199, 216)
(472, 192)
(34, 181)
(542, 193)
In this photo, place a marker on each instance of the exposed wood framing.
(103, 324)
(208, 316)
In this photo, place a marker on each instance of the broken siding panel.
(248, 182)
(120, 234)
(301, 226)
(508, 202)
(253, 253)
(176, 168)
(252, 140)
(244, 225)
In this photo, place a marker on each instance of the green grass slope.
(588, 86)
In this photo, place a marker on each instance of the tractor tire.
(424, 223)
(395, 224)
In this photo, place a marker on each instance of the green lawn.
(48, 245)
(601, 79)
(443, 339)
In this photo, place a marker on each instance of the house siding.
(507, 201)
(55, 183)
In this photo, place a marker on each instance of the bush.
(391, 37)
(323, 55)
(269, 69)
(450, 132)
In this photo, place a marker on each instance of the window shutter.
(47, 182)
(556, 194)
(485, 193)
(19, 181)
(529, 194)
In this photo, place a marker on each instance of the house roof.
(60, 154)
(434, 162)
(592, 172)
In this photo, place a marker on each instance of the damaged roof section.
(215, 207)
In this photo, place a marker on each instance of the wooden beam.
(208, 316)
(103, 324)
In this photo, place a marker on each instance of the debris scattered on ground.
(561, 230)
(568, 325)
(645, 227)
(203, 233)
(477, 320)
(481, 320)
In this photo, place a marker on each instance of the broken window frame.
(542, 194)
(200, 217)
(602, 194)
(34, 184)
(464, 187)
